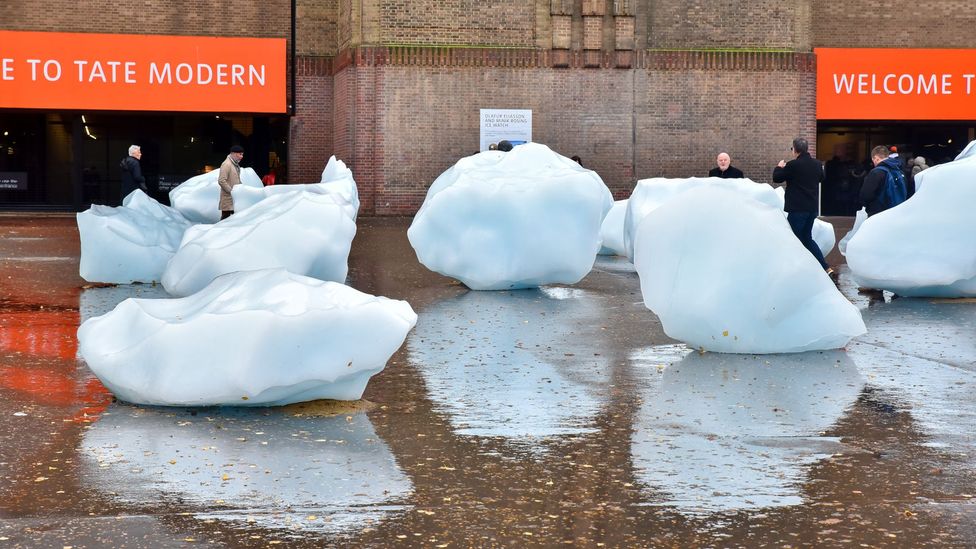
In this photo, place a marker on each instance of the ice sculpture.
(925, 246)
(197, 198)
(725, 273)
(336, 178)
(337, 469)
(612, 230)
(253, 338)
(506, 220)
(719, 433)
(304, 232)
(130, 243)
(649, 194)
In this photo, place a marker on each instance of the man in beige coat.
(230, 175)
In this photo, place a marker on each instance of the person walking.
(878, 193)
(228, 178)
(132, 177)
(803, 176)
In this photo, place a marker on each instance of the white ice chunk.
(130, 243)
(725, 273)
(338, 468)
(649, 194)
(252, 338)
(718, 433)
(859, 218)
(519, 219)
(336, 178)
(304, 232)
(925, 246)
(612, 230)
(198, 197)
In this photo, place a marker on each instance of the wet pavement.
(552, 417)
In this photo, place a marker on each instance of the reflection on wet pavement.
(558, 416)
(514, 364)
(264, 468)
(725, 432)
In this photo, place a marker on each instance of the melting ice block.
(131, 243)
(198, 197)
(725, 273)
(925, 246)
(650, 194)
(336, 178)
(520, 219)
(612, 230)
(254, 338)
(304, 232)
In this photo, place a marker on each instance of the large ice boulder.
(505, 220)
(286, 472)
(925, 246)
(725, 273)
(130, 243)
(650, 194)
(253, 338)
(198, 197)
(612, 230)
(304, 232)
(859, 219)
(336, 178)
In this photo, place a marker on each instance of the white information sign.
(514, 125)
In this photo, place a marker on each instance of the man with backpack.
(884, 187)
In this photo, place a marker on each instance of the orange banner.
(896, 84)
(129, 72)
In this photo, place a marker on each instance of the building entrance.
(845, 149)
(69, 161)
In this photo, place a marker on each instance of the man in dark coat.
(803, 176)
(725, 169)
(874, 182)
(132, 177)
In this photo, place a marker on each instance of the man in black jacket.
(725, 169)
(132, 178)
(803, 176)
(871, 194)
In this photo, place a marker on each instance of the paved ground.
(561, 416)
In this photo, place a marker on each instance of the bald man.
(725, 170)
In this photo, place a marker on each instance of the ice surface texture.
(197, 198)
(253, 338)
(336, 178)
(304, 232)
(651, 193)
(612, 230)
(131, 243)
(725, 273)
(520, 219)
(925, 246)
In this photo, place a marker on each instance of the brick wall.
(311, 139)
(483, 22)
(316, 26)
(679, 24)
(268, 18)
(894, 24)
(668, 117)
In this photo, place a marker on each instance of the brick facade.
(637, 88)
